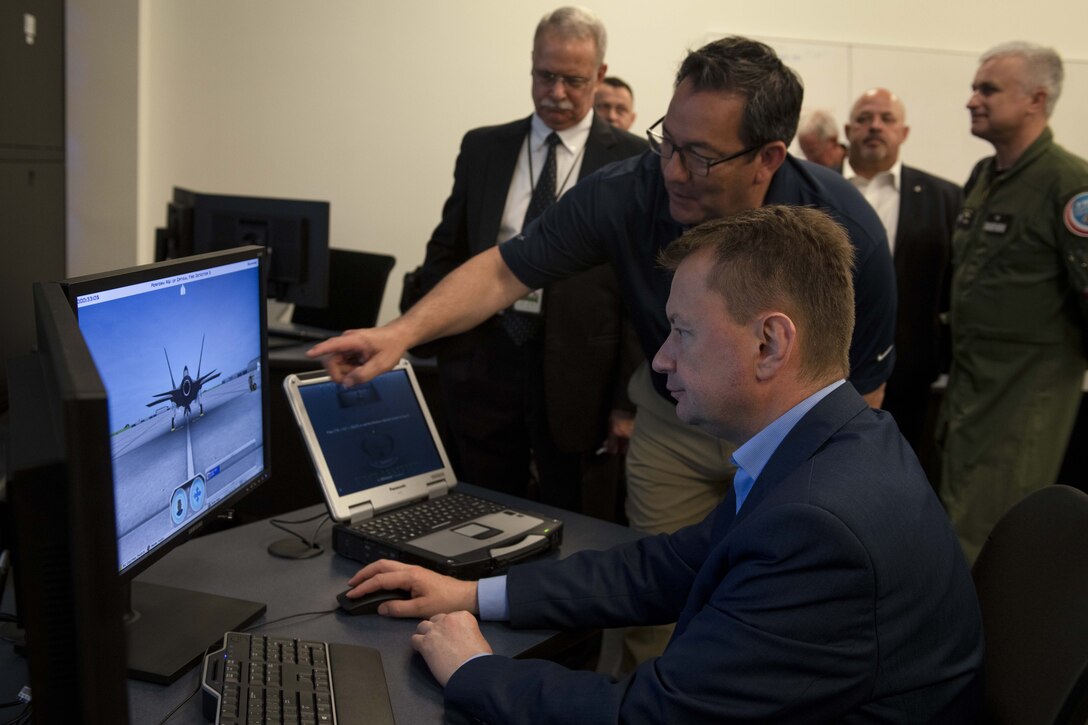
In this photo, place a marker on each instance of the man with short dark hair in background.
(828, 586)
(918, 211)
(615, 102)
(1019, 312)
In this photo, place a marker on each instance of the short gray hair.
(819, 122)
(1043, 68)
(574, 23)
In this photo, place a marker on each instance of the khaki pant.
(676, 475)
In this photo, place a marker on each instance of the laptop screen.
(371, 434)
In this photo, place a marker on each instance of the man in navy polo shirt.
(720, 149)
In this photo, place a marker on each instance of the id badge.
(532, 303)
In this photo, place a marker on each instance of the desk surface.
(235, 563)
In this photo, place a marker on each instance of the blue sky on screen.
(127, 337)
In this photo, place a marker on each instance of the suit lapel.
(802, 443)
(910, 205)
(502, 159)
(598, 147)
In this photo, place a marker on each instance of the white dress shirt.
(568, 163)
(882, 193)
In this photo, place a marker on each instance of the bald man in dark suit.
(918, 211)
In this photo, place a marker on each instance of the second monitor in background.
(296, 232)
(357, 282)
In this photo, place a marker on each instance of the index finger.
(335, 345)
(374, 568)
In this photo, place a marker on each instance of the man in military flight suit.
(1019, 303)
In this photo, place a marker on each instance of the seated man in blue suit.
(827, 587)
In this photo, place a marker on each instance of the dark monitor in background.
(296, 233)
(69, 596)
(182, 351)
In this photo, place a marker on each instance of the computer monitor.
(60, 504)
(182, 351)
(296, 233)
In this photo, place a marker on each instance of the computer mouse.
(368, 603)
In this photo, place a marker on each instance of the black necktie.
(522, 327)
(544, 191)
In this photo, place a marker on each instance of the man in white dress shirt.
(918, 211)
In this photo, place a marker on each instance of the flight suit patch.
(997, 223)
(964, 218)
(1075, 215)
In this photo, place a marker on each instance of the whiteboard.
(934, 86)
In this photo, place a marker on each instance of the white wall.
(101, 69)
(364, 103)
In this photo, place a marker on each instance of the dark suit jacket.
(589, 349)
(838, 594)
(928, 207)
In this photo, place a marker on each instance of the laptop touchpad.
(489, 530)
(476, 531)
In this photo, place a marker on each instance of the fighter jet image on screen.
(184, 395)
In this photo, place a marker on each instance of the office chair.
(356, 286)
(1032, 583)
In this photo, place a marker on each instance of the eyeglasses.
(696, 164)
(547, 78)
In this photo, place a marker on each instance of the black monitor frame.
(296, 232)
(168, 628)
(69, 596)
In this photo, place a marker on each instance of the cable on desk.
(21, 718)
(23, 699)
(191, 694)
(298, 547)
(289, 616)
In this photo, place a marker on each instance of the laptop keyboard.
(422, 518)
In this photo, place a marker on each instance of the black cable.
(22, 717)
(280, 524)
(289, 616)
(317, 531)
(190, 697)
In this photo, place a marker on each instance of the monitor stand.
(168, 629)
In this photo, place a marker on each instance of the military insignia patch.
(1076, 214)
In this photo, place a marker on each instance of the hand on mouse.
(432, 593)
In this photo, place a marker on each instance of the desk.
(234, 563)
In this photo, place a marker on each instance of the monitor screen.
(295, 231)
(181, 350)
(180, 356)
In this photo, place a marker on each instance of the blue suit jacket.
(838, 593)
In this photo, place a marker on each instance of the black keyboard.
(421, 518)
(254, 679)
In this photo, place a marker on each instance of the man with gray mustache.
(545, 380)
